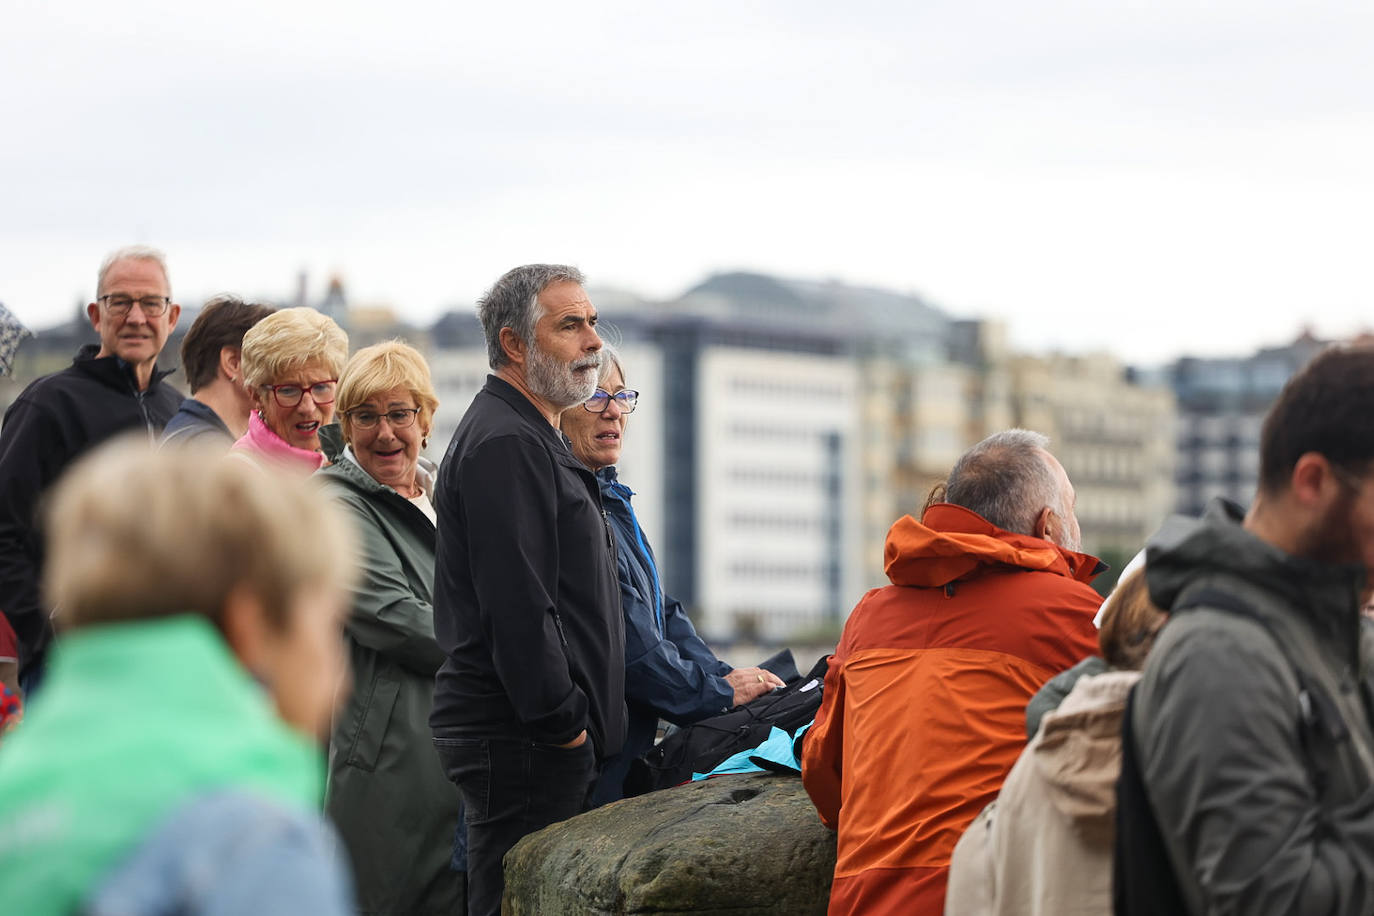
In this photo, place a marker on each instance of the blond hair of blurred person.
(172, 761)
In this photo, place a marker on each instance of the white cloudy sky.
(1151, 177)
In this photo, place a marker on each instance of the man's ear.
(1045, 524)
(230, 359)
(513, 346)
(173, 313)
(93, 313)
(1312, 481)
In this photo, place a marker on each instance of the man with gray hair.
(526, 599)
(989, 599)
(110, 388)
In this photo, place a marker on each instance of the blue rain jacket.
(669, 671)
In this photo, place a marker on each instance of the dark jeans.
(511, 787)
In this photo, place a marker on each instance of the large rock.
(737, 845)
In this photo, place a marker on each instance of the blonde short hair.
(289, 339)
(381, 367)
(136, 533)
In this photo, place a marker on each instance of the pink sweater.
(266, 446)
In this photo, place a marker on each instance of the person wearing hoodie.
(925, 696)
(1044, 847)
(1250, 730)
(107, 390)
(387, 793)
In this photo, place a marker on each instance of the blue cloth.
(226, 853)
(776, 749)
(669, 671)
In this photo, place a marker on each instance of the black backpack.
(1143, 878)
(701, 747)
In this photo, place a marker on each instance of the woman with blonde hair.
(388, 794)
(172, 762)
(291, 365)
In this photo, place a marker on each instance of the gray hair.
(513, 302)
(1006, 480)
(610, 359)
(132, 253)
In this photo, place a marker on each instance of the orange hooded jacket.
(925, 698)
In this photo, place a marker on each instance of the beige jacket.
(1045, 845)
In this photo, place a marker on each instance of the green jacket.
(134, 721)
(387, 791)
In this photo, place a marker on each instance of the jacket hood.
(951, 542)
(1186, 550)
(1077, 753)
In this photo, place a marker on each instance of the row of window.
(799, 390)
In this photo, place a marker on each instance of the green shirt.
(134, 720)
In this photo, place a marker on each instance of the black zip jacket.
(526, 599)
(55, 420)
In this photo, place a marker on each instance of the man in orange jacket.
(925, 697)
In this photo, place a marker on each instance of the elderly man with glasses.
(109, 389)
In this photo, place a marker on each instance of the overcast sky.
(1153, 178)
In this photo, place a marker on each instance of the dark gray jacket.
(1230, 770)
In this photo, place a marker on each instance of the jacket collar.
(261, 441)
(113, 371)
(528, 412)
(951, 542)
(347, 466)
(1186, 550)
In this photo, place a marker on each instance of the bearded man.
(1250, 729)
(526, 599)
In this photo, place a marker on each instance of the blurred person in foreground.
(1250, 726)
(669, 671)
(172, 764)
(387, 794)
(925, 696)
(526, 601)
(212, 359)
(110, 388)
(291, 365)
(1044, 847)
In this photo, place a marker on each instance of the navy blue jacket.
(196, 422)
(669, 671)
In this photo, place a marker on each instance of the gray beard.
(555, 382)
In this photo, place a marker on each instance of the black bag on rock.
(701, 747)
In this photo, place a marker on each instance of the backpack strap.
(1143, 878)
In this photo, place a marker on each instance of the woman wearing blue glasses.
(669, 671)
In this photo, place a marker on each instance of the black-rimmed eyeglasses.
(152, 306)
(290, 394)
(399, 418)
(625, 399)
